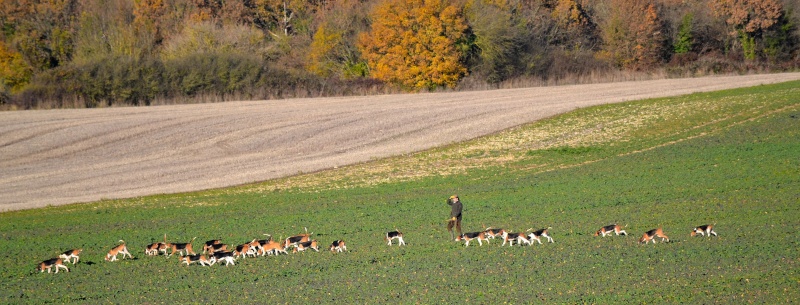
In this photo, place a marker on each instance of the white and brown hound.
(182, 247)
(467, 237)
(704, 230)
(58, 263)
(271, 247)
(200, 259)
(538, 234)
(68, 256)
(610, 228)
(650, 236)
(338, 246)
(311, 244)
(121, 248)
(493, 232)
(245, 249)
(155, 248)
(215, 248)
(394, 235)
(510, 238)
(212, 245)
(299, 238)
(222, 256)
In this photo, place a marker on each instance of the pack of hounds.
(214, 251)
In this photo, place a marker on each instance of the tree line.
(92, 53)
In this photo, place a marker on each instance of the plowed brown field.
(54, 157)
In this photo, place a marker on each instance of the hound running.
(704, 230)
(610, 228)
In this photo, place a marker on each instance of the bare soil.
(56, 157)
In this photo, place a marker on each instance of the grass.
(728, 157)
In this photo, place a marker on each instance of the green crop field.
(730, 158)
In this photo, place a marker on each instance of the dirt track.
(56, 157)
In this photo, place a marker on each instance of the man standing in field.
(455, 215)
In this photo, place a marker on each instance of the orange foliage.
(414, 43)
(147, 16)
(749, 16)
(632, 39)
(649, 40)
(205, 10)
(570, 15)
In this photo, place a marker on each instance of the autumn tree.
(499, 38)
(14, 71)
(206, 10)
(284, 17)
(147, 21)
(748, 20)
(573, 19)
(105, 30)
(333, 52)
(632, 35)
(40, 30)
(323, 59)
(418, 44)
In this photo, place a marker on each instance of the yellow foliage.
(324, 44)
(14, 71)
(207, 37)
(414, 43)
(569, 15)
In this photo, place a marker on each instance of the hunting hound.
(200, 259)
(493, 232)
(650, 236)
(538, 234)
(223, 256)
(510, 238)
(152, 249)
(610, 228)
(704, 230)
(394, 235)
(212, 245)
(182, 248)
(467, 237)
(58, 263)
(121, 248)
(338, 246)
(311, 244)
(271, 247)
(215, 248)
(155, 248)
(300, 238)
(71, 256)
